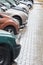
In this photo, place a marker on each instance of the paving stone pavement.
(32, 39)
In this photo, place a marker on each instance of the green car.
(9, 48)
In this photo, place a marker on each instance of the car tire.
(5, 57)
(30, 6)
(19, 19)
(10, 29)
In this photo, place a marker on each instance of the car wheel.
(10, 29)
(19, 19)
(32, 1)
(30, 6)
(5, 58)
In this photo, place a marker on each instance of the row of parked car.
(12, 19)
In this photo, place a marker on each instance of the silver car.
(22, 5)
(18, 14)
(29, 4)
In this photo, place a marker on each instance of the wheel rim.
(18, 18)
(11, 31)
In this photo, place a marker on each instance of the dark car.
(9, 48)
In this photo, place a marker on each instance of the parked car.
(18, 13)
(22, 5)
(9, 24)
(27, 3)
(9, 48)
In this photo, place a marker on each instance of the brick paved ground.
(32, 39)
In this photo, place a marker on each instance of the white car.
(29, 4)
(18, 13)
(22, 5)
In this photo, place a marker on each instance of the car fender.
(9, 23)
(12, 12)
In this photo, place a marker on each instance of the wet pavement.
(32, 39)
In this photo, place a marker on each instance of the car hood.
(6, 34)
(7, 38)
(26, 3)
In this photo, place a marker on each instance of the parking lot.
(29, 39)
(32, 39)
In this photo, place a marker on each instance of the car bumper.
(22, 26)
(17, 51)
